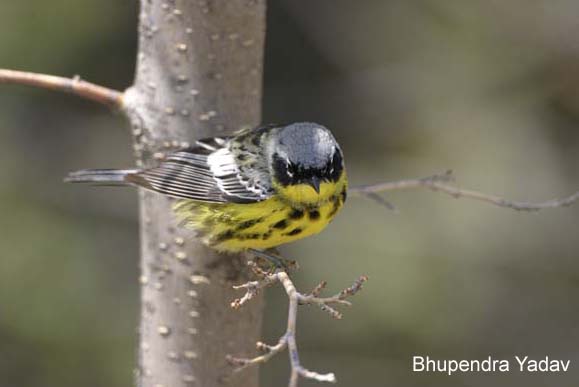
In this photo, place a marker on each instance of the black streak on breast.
(295, 231)
(296, 214)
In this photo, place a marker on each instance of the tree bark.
(199, 74)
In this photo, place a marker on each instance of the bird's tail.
(100, 176)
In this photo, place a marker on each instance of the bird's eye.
(282, 170)
(335, 166)
(290, 169)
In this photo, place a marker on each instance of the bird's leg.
(276, 262)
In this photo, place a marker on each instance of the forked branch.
(288, 340)
(440, 183)
(76, 86)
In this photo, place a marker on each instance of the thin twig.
(76, 86)
(439, 183)
(288, 340)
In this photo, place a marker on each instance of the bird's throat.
(306, 195)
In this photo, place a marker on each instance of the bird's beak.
(315, 183)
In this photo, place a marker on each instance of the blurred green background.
(410, 88)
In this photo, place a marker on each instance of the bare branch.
(318, 289)
(380, 200)
(288, 340)
(439, 183)
(253, 287)
(74, 86)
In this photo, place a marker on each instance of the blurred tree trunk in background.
(199, 74)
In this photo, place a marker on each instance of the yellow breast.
(293, 213)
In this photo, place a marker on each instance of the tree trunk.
(199, 74)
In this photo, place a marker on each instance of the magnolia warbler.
(257, 189)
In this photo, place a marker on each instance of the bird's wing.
(207, 172)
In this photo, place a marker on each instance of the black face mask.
(288, 173)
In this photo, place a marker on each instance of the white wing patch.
(222, 163)
(230, 179)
